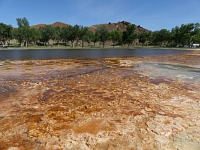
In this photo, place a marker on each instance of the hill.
(110, 26)
(56, 24)
(119, 25)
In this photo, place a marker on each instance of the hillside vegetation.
(110, 34)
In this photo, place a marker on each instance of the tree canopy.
(23, 30)
(184, 35)
(5, 33)
(115, 36)
(129, 35)
(102, 34)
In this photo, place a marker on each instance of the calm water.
(82, 53)
(171, 71)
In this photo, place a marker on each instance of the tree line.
(185, 35)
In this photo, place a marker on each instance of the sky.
(150, 14)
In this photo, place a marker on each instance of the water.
(171, 71)
(82, 53)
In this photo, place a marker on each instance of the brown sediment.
(98, 104)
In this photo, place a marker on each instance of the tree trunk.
(72, 44)
(26, 40)
(26, 43)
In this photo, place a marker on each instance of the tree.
(23, 30)
(89, 37)
(95, 38)
(196, 34)
(72, 33)
(6, 33)
(102, 34)
(115, 36)
(65, 34)
(82, 34)
(175, 35)
(144, 37)
(17, 33)
(186, 31)
(46, 33)
(161, 37)
(196, 38)
(34, 35)
(57, 34)
(129, 35)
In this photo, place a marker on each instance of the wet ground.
(136, 103)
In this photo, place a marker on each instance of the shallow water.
(82, 53)
(171, 71)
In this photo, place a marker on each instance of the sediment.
(105, 104)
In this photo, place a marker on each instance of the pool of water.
(82, 53)
(171, 71)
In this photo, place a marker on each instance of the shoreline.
(91, 48)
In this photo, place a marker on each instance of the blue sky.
(150, 14)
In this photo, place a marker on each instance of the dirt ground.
(103, 104)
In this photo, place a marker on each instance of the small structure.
(195, 45)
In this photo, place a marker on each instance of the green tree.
(196, 34)
(46, 33)
(89, 37)
(144, 37)
(72, 33)
(163, 36)
(160, 37)
(186, 31)
(6, 33)
(176, 35)
(82, 34)
(23, 30)
(57, 34)
(65, 34)
(196, 38)
(129, 35)
(154, 38)
(34, 35)
(102, 33)
(95, 38)
(17, 33)
(115, 36)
